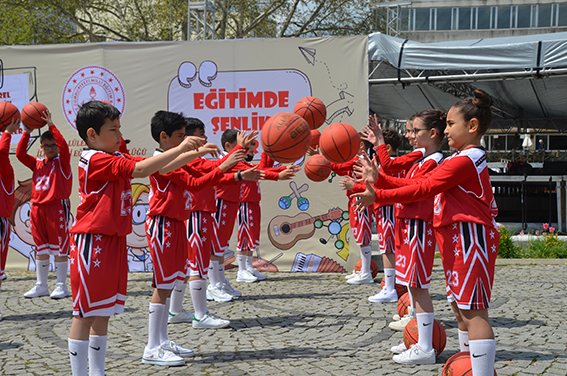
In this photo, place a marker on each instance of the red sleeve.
(403, 162)
(390, 182)
(219, 161)
(64, 153)
(342, 169)
(267, 164)
(6, 170)
(448, 175)
(111, 167)
(22, 152)
(183, 178)
(122, 148)
(272, 173)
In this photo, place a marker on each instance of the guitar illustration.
(285, 231)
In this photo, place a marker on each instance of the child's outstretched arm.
(22, 150)
(6, 170)
(153, 164)
(64, 153)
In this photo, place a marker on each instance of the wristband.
(239, 175)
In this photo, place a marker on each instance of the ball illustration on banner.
(8, 113)
(32, 115)
(339, 142)
(317, 168)
(312, 110)
(285, 137)
(315, 136)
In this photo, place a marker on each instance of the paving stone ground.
(295, 324)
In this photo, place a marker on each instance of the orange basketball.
(403, 304)
(459, 365)
(400, 289)
(315, 135)
(411, 335)
(8, 112)
(32, 115)
(286, 137)
(317, 168)
(312, 110)
(373, 267)
(339, 142)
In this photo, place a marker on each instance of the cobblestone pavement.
(295, 324)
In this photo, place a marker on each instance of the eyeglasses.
(414, 131)
(49, 147)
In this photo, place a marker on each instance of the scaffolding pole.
(201, 20)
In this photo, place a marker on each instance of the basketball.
(7, 112)
(400, 289)
(312, 110)
(285, 137)
(459, 365)
(32, 115)
(403, 304)
(411, 335)
(317, 168)
(373, 267)
(339, 142)
(315, 135)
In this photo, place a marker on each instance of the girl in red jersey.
(465, 229)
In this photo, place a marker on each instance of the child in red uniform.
(463, 218)
(6, 194)
(99, 268)
(166, 232)
(50, 211)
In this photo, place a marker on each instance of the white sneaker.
(396, 317)
(398, 349)
(246, 276)
(162, 357)
(60, 291)
(209, 322)
(37, 290)
(384, 296)
(352, 275)
(181, 351)
(401, 325)
(179, 317)
(258, 275)
(226, 287)
(361, 278)
(217, 294)
(415, 355)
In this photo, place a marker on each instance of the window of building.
(421, 19)
(464, 17)
(558, 142)
(562, 15)
(443, 19)
(523, 16)
(405, 18)
(493, 17)
(482, 18)
(544, 15)
(504, 17)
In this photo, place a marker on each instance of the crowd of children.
(418, 200)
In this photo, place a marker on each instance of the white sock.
(177, 297)
(78, 351)
(425, 330)
(199, 297)
(365, 256)
(390, 277)
(163, 328)
(42, 268)
(249, 262)
(483, 352)
(155, 321)
(97, 353)
(61, 270)
(464, 340)
(241, 262)
(213, 273)
(221, 275)
(411, 303)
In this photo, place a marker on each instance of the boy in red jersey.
(6, 194)
(465, 229)
(50, 211)
(166, 232)
(99, 265)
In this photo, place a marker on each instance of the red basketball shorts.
(360, 223)
(415, 253)
(4, 241)
(385, 221)
(199, 233)
(50, 227)
(248, 226)
(468, 251)
(167, 240)
(225, 218)
(99, 274)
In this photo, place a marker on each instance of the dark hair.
(228, 136)
(46, 136)
(433, 119)
(192, 125)
(392, 137)
(477, 107)
(168, 122)
(93, 115)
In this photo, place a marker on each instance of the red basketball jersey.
(205, 200)
(52, 178)
(395, 165)
(105, 193)
(6, 177)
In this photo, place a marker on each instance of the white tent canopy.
(527, 76)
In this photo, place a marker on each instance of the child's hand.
(368, 135)
(209, 148)
(13, 127)
(364, 199)
(233, 159)
(47, 117)
(27, 129)
(376, 127)
(312, 151)
(366, 169)
(252, 174)
(192, 143)
(288, 173)
(245, 140)
(347, 184)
